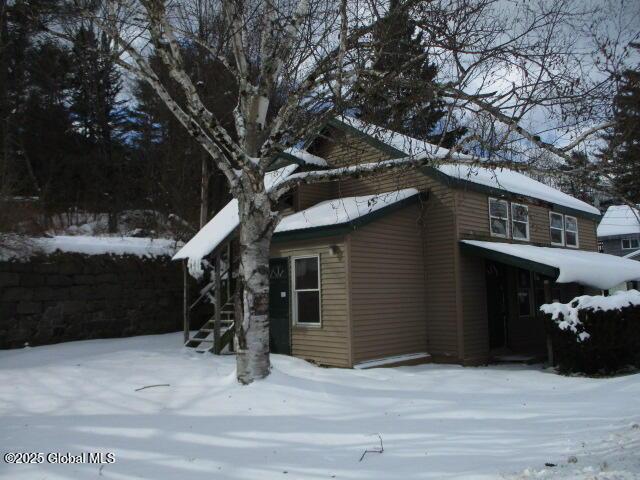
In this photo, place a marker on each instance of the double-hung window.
(306, 290)
(556, 224)
(519, 221)
(499, 217)
(571, 231)
(630, 244)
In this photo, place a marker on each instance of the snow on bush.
(567, 315)
(595, 334)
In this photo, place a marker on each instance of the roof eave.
(347, 227)
(513, 260)
(499, 192)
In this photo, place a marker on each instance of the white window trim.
(506, 235)
(294, 301)
(577, 245)
(527, 238)
(551, 214)
(630, 240)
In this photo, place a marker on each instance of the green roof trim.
(512, 260)
(452, 181)
(344, 228)
(462, 183)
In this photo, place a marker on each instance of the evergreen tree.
(408, 104)
(622, 154)
(100, 116)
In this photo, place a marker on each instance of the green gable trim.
(447, 180)
(344, 228)
(462, 183)
(512, 260)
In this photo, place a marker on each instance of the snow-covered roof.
(142, 247)
(328, 213)
(515, 182)
(619, 220)
(342, 210)
(306, 157)
(402, 143)
(593, 269)
(501, 178)
(220, 226)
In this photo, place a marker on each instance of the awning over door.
(565, 265)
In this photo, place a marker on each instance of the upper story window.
(556, 226)
(519, 221)
(571, 231)
(306, 290)
(499, 217)
(563, 230)
(630, 244)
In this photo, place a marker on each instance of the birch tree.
(500, 63)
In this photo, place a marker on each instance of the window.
(519, 221)
(556, 224)
(571, 231)
(306, 290)
(630, 243)
(499, 217)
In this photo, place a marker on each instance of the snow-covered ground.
(305, 422)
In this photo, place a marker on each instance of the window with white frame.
(630, 243)
(306, 290)
(499, 217)
(556, 228)
(519, 221)
(571, 231)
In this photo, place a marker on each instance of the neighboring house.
(447, 262)
(619, 231)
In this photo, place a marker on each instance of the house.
(448, 262)
(619, 231)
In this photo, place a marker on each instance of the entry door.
(497, 309)
(280, 337)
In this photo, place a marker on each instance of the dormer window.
(499, 217)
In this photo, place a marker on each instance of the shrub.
(595, 334)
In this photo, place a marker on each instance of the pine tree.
(100, 116)
(408, 104)
(622, 154)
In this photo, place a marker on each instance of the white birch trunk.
(252, 330)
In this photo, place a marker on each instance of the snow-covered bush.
(595, 334)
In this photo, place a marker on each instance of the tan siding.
(328, 344)
(387, 287)
(440, 273)
(474, 309)
(473, 220)
(587, 237)
(309, 195)
(439, 238)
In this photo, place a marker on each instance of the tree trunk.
(252, 332)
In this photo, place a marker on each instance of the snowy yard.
(305, 422)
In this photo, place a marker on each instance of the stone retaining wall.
(69, 296)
